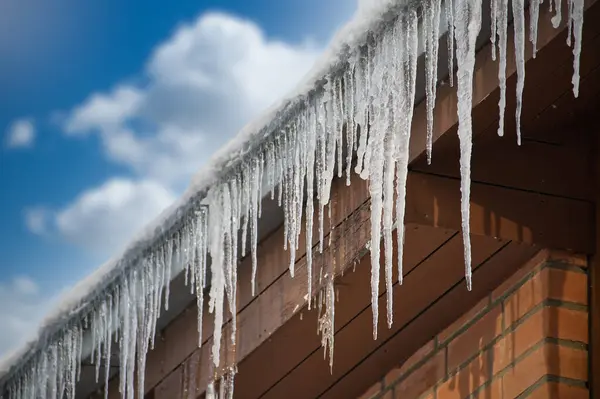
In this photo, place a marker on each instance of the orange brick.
(548, 284)
(481, 333)
(464, 319)
(422, 379)
(373, 391)
(549, 359)
(560, 323)
(555, 390)
(469, 378)
(535, 262)
(415, 358)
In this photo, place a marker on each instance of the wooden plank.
(268, 363)
(439, 314)
(354, 339)
(506, 213)
(533, 166)
(569, 115)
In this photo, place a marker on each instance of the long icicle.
(468, 25)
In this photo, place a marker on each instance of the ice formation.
(365, 109)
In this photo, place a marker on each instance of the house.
(287, 249)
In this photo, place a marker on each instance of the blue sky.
(108, 107)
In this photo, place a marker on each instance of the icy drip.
(501, 26)
(494, 25)
(326, 312)
(254, 204)
(311, 144)
(294, 194)
(351, 127)
(431, 33)
(374, 168)
(518, 7)
(199, 265)
(468, 25)
(558, 16)
(406, 93)
(576, 21)
(534, 16)
(449, 9)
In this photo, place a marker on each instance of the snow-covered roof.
(367, 77)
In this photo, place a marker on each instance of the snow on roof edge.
(371, 16)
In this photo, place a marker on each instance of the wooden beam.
(510, 214)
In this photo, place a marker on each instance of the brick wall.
(527, 339)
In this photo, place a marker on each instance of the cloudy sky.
(108, 107)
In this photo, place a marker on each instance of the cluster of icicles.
(327, 138)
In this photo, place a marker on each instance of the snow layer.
(360, 95)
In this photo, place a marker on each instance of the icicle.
(217, 289)
(450, 24)
(168, 269)
(431, 28)
(361, 116)
(558, 16)
(280, 167)
(569, 22)
(350, 126)
(108, 345)
(133, 333)
(310, 182)
(201, 265)
(468, 25)
(326, 326)
(326, 145)
(291, 196)
(494, 27)
(254, 200)
(124, 339)
(519, 24)
(375, 148)
(534, 16)
(184, 252)
(502, 27)
(246, 177)
(576, 18)
(210, 391)
(338, 122)
(409, 54)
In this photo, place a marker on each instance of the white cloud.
(104, 218)
(203, 84)
(21, 309)
(20, 134)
